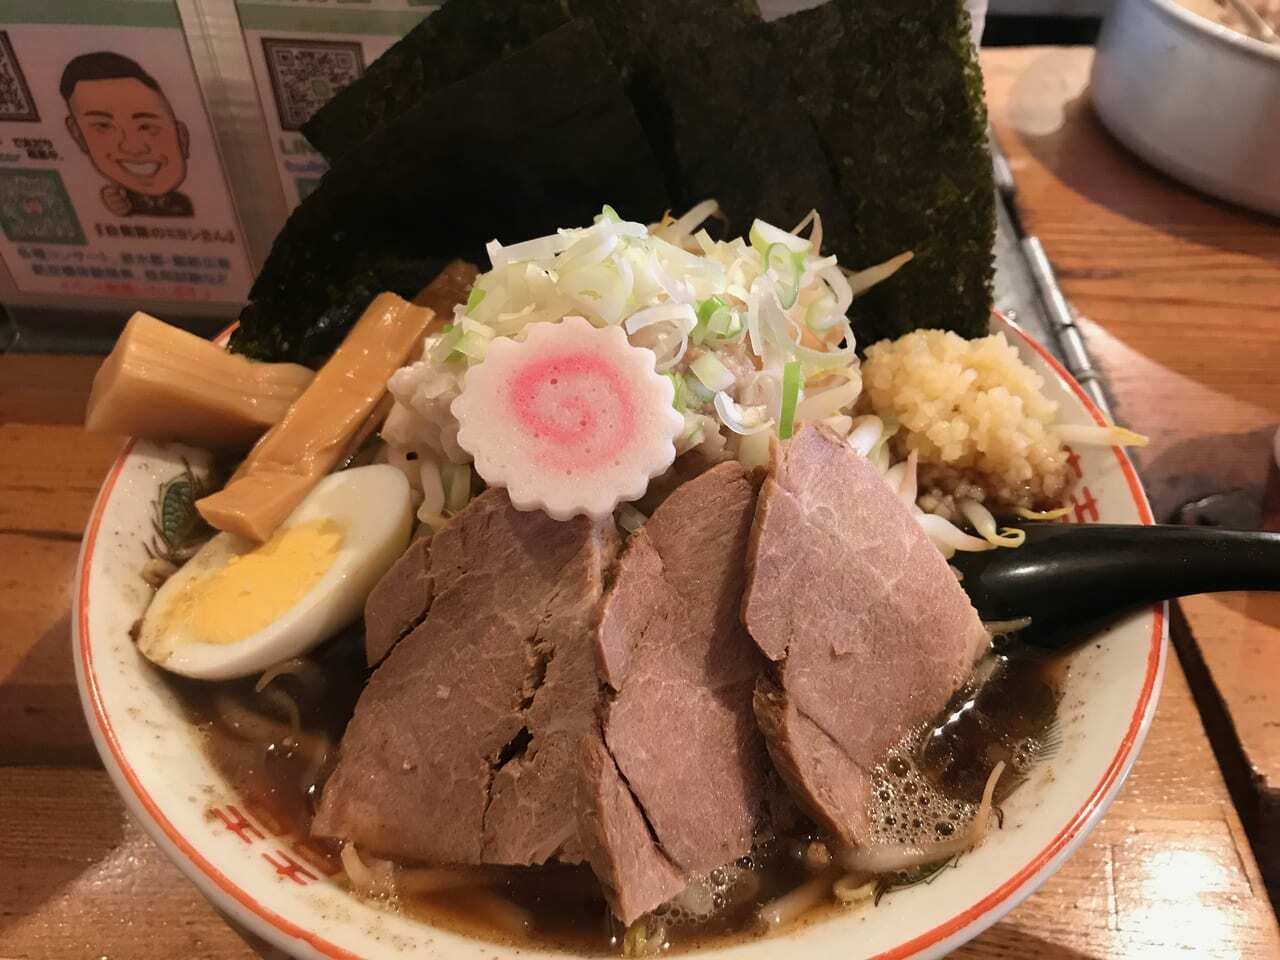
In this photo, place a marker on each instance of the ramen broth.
(927, 788)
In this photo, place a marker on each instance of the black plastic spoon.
(1072, 579)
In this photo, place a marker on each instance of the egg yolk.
(257, 588)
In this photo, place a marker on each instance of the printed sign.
(110, 182)
(305, 51)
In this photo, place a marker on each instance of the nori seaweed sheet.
(456, 41)
(718, 108)
(701, 74)
(871, 112)
(535, 142)
(895, 92)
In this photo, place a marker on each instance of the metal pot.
(1194, 98)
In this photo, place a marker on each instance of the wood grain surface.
(1169, 871)
(1184, 296)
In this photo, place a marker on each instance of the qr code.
(305, 74)
(15, 95)
(35, 208)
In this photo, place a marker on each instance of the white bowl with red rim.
(267, 882)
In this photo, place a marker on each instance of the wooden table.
(1168, 872)
(1184, 293)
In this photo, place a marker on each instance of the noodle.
(853, 888)
(317, 748)
(242, 721)
(284, 702)
(308, 673)
(508, 917)
(796, 902)
(427, 880)
(375, 881)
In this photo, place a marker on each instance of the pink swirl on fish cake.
(552, 397)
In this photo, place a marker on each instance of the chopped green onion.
(695, 431)
(694, 388)
(787, 267)
(456, 479)
(714, 375)
(607, 213)
(790, 395)
(764, 235)
(443, 351)
(476, 327)
(474, 300)
(629, 518)
(822, 315)
(677, 390)
(715, 319)
(472, 346)
(725, 324)
(707, 308)
(753, 450)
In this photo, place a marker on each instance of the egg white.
(374, 509)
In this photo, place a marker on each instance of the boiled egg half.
(238, 607)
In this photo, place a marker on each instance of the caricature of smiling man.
(120, 117)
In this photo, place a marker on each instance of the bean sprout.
(678, 231)
(889, 857)
(907, 491)
(1056, 514)
(864, 280)
(985, 524)
(1093, 435)
(795, 902)
(949, 538)
(864, 433)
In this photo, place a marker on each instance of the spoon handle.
(1082, 571)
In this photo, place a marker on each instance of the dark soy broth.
(1008, 712)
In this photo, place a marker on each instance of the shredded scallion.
(790, 397)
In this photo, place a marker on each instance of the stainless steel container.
(1196, 99)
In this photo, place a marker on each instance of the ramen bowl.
(272, 883)
(1193, 98)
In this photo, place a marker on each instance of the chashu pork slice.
(867, 627)
(675, 786)
(466, 745)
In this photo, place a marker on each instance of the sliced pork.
(466, 744)
(398, 601)
(676, 787)
(868, 629)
